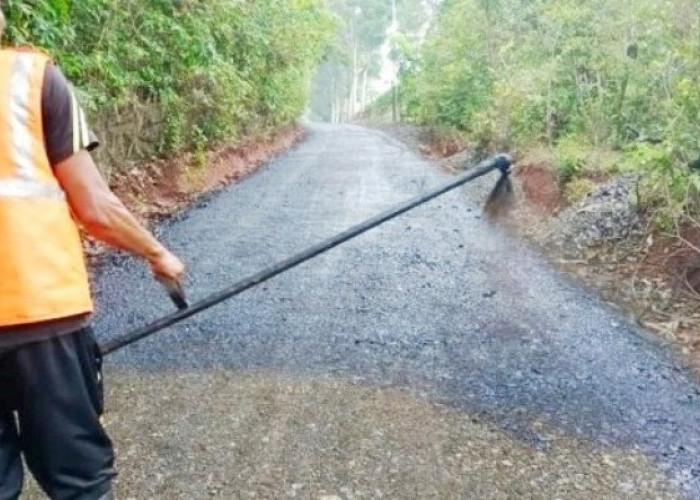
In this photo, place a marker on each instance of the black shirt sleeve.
(65, 128)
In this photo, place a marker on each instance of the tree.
(360, 51)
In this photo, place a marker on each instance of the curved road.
(431, 336)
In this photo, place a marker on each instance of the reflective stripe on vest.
(28, 188)
(26, 183)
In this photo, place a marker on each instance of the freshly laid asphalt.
(439, 306)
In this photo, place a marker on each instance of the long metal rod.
(501, 162)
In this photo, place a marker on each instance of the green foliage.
(575, 76)
(570, 158)
(455, 77)
(215, 68)
(577, 189)
(670, 191)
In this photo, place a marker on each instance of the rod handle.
(175, 291)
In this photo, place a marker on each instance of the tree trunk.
(364, 90)
(334, 100)
(354, 85)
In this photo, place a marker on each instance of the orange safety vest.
(42, 267)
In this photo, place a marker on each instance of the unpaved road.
(434, 357)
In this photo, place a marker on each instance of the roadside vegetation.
(167, 76)
(602, 86)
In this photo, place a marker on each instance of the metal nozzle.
(503, 163)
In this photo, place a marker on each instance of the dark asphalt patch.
(407, 307)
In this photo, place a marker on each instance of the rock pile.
(608, 214)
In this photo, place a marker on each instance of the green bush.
(570, 158)
(670, 192)
(214, 69)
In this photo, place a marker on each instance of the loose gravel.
(434, 357)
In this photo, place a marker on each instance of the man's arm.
(68, 140)
(106, 218)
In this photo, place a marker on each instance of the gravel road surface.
(433, 357)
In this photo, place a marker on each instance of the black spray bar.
(500, 162)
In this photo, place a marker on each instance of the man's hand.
(166, 266)
(170, 272)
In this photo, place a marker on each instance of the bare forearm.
(106, 218)
(112, 223)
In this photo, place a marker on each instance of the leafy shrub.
(670, 192)
(577, 189)
(570, 158)
(214, 69)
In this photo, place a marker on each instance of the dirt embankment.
(609, 243)
(160, 188)
(604, 240)
(164, 186)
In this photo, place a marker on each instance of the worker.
(50, 365)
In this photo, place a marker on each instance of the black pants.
(53, 390)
